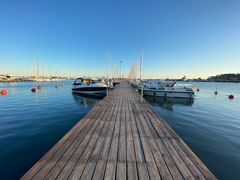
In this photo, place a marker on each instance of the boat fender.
(4, 92)
(33, 89)
(39, 86)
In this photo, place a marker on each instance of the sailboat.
(38, 78)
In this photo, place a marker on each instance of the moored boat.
(159, 88)
(90, 86)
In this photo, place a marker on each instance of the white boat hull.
(172, 94)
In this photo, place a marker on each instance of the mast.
(37, 68)
(107, 73)
(141, 75)
(136, 72)
(120, 69)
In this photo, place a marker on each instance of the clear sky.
(180, 37)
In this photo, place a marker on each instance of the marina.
(119, 90)
(120, 138)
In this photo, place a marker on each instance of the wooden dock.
(120, 138)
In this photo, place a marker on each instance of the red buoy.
(39, 86)
(231, 96)
(4, 92)
(33, 89)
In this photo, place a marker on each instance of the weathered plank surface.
(121, 138)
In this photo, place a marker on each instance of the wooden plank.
(78, 172)
(139, 114)
(132, 171)
(98, 138)
(153, 171)
(142, 171)
(148, 123)
(88, 171)
(178, 161)
(87, 149)
(107, 141)
(179, 164)
(161, 164)
(65, 172)
(131, 157)
(114, 144)
(99, 170)
(122, 141)
(136, 139)
(121, 171)
(168, 160)
(110, 173)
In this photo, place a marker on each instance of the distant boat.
(158, 88)
(115, 83)
(90, 86)
(135, 83)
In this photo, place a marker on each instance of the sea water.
(31, 123)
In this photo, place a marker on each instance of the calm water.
(31, 123)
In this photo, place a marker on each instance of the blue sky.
(187, 37)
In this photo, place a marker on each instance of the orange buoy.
(39, 86)
(4, 92)
(231, 96)
(33, 89)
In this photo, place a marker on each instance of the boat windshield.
(88, 81)
(78, 82)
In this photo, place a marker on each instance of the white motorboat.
(158, 88)
(90, 86)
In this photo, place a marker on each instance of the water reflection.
(168, 103)
(86, 100)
